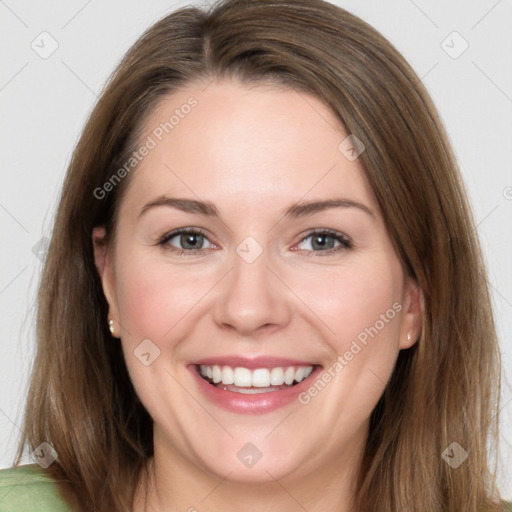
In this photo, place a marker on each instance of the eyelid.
(344, 240)
(180, 231)
(328, 231)
(164, 245)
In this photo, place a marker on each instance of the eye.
(185, 240)
(325, 241)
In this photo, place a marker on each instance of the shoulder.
(28, 488)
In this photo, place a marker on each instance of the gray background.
(44, 103)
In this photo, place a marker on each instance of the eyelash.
(169, 236)
(345, 242)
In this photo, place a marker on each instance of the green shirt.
(30, 489)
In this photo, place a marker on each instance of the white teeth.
(277, 377)
(261, 378)
(216, 374)
(289, 375)
(255, 391)
(299, 374)
(243, 377)
(258, 378)
(228, 376)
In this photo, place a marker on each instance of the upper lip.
(251, 363)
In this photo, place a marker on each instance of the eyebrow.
(301, 209)
(185, 205)
(304, 209)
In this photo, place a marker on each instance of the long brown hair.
(444, 389)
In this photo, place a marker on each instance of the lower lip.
(252, 404)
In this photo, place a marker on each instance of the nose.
(252, 299)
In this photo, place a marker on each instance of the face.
(259, 300)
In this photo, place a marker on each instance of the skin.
(253, 151)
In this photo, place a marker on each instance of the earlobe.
(412, 316)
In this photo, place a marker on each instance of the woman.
(263, 289)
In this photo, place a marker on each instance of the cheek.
(368, 304)
(363, 309)
(356, 298)
(369, 334)
(154, 297)
(154, 302)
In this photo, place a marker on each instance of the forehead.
(226, 141)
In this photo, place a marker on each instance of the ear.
(412, 315)
(103, 260)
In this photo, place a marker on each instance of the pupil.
(320, 242)
(190, 241)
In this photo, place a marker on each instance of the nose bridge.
(251, 295)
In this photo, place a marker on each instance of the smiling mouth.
(257, 381)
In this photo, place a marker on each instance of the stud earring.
(409, 337)
(111, 327)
